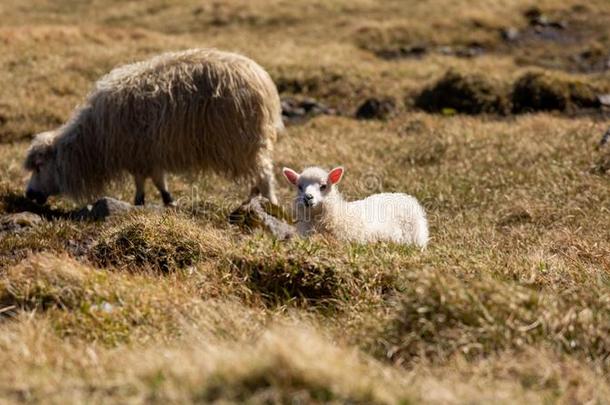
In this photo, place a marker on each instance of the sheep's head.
(40, 160)
(313, 184)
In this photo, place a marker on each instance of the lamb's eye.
(323, 187)
(300, 188)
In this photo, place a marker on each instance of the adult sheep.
(192, 110)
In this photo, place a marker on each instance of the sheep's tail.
(605, 139)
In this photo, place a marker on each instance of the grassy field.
(510, 303)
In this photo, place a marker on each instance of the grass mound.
(45, 281)
(336, 88)
(469, 94)
(93, 304)
(159, 242)
(315, 272)
(544, 92)
(285, 364)
(441, 315)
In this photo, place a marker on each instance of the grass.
(510, 303)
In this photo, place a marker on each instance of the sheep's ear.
(291, 175)
(335, 175)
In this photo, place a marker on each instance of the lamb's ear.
(291, 175)
(335, 175)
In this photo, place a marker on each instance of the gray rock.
(103, 208)
(258, 212)
(19, 221)
(510, 34)
(299, 110)
(604, 99)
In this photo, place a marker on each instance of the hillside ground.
(510, 303)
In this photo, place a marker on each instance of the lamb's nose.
(308, 197)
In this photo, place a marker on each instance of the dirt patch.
(463, 93)
(574, 40)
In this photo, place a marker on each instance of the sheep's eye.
(300, 188)
(323, 187)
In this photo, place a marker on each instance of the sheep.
(320, 208)
(180, 111)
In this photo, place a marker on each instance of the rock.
(19, 221)
(299, 110)
(510, 34)
(376, 108)
(103, 208)
(258, 212)
(604, 99)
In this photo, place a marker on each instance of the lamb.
(320, 208)
(200, 109)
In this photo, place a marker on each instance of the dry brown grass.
(509, 304)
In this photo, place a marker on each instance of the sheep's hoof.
(171, 204)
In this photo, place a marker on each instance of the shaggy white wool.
(200, 109)
(320, 208)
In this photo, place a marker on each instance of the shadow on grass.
(13, 203)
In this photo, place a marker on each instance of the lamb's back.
(390, 216)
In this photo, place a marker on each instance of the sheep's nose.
(308, 197)
(37, 196)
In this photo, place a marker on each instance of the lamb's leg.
(140, 181)
(265, 184)
(160, 182)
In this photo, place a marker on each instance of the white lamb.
(320, 208)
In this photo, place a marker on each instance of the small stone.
(510, 34)
(604, 99)
(19, 221)
(294, 110)
(103, 208)
(376, 108)
(258, 212)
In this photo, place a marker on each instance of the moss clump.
(468, 94)
(536, 91)
(161, 243)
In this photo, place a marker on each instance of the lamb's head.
(314, 185)
(40, 160)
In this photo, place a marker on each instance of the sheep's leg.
(160, 182)
(265, 184)
(140, 182)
